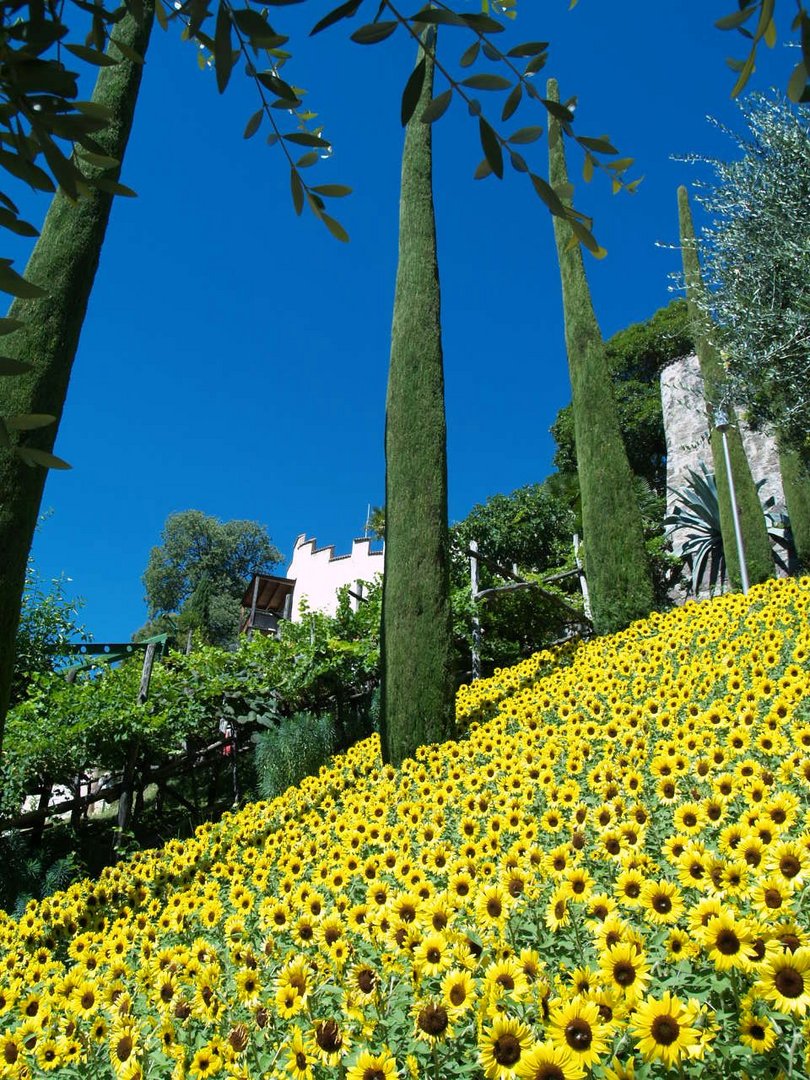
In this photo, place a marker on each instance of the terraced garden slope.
(604, 876)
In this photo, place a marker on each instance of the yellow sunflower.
(784, 979)
(577, 1025)
(663, 1029)
(503, 1047)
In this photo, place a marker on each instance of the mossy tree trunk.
(64, 263)
(616, 563)
(754, 530)
(796, 486)
(417, 685)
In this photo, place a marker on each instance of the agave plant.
(698, 510)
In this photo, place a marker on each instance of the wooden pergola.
(267, 600)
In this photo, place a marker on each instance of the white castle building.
(314, 577)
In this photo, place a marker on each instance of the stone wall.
(686, 429)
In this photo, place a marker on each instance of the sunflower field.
(603, 876)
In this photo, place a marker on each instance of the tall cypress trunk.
(63, 262)
(796, 486)
(616, 563)
(417, 686)
(754, 530)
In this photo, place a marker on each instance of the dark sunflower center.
(494, 907)
(662, 904)
(789, 983)
(727, 943)
(457, 995)
(506, 1049)
(123, 1048)
(433, 1019)
(366, 980)
(433, 955)
(789, 866)
(756, 1031)
(624, 973)
(328, 1037)
(578, 1034)
(773, 898)
(665, 1030)
(10, 1053)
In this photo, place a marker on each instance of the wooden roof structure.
(266, 600)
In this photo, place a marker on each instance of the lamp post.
(721, 422)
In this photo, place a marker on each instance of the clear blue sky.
(234, 357)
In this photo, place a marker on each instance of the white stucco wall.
(319, 573)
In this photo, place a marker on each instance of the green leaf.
(548, 195)
(587, 239)
(308, 159)
(277, 85)
(223, 48)
(253, 124)
(437, 108)
(491, 147)
(94, 109)
(297, 190)
(333, 191)
(335, 228)
(470, 55)
(26, 170)
(10, 366)
(8, 326)
(487, 82)
(526, 135)
(91, 56)
(344, 11)
(127, 51)
(412, 91)
(29, 421)
(529, 48)
(745, 74)
(599, 146)
(437, 17)
(11, 282)
(253, 26)
(736, 18)
(587, 169)
(797, 82)
(16, 225)
(113, 187)
(306, 138)
(371, 33)
(536, 64)
(512, 102)
(31, 456)
(558, 111)
(483, 170)
(101, 161)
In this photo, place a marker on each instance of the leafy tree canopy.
(530, 527)
(200, 570)
(49, 620)
(756, 256)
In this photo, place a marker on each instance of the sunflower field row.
(604, 876)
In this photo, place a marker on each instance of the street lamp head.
(721, 421)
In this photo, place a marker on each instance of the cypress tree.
(796, 486)
(616, 563)
(64, 263)
(417, 686)
(756, 542)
